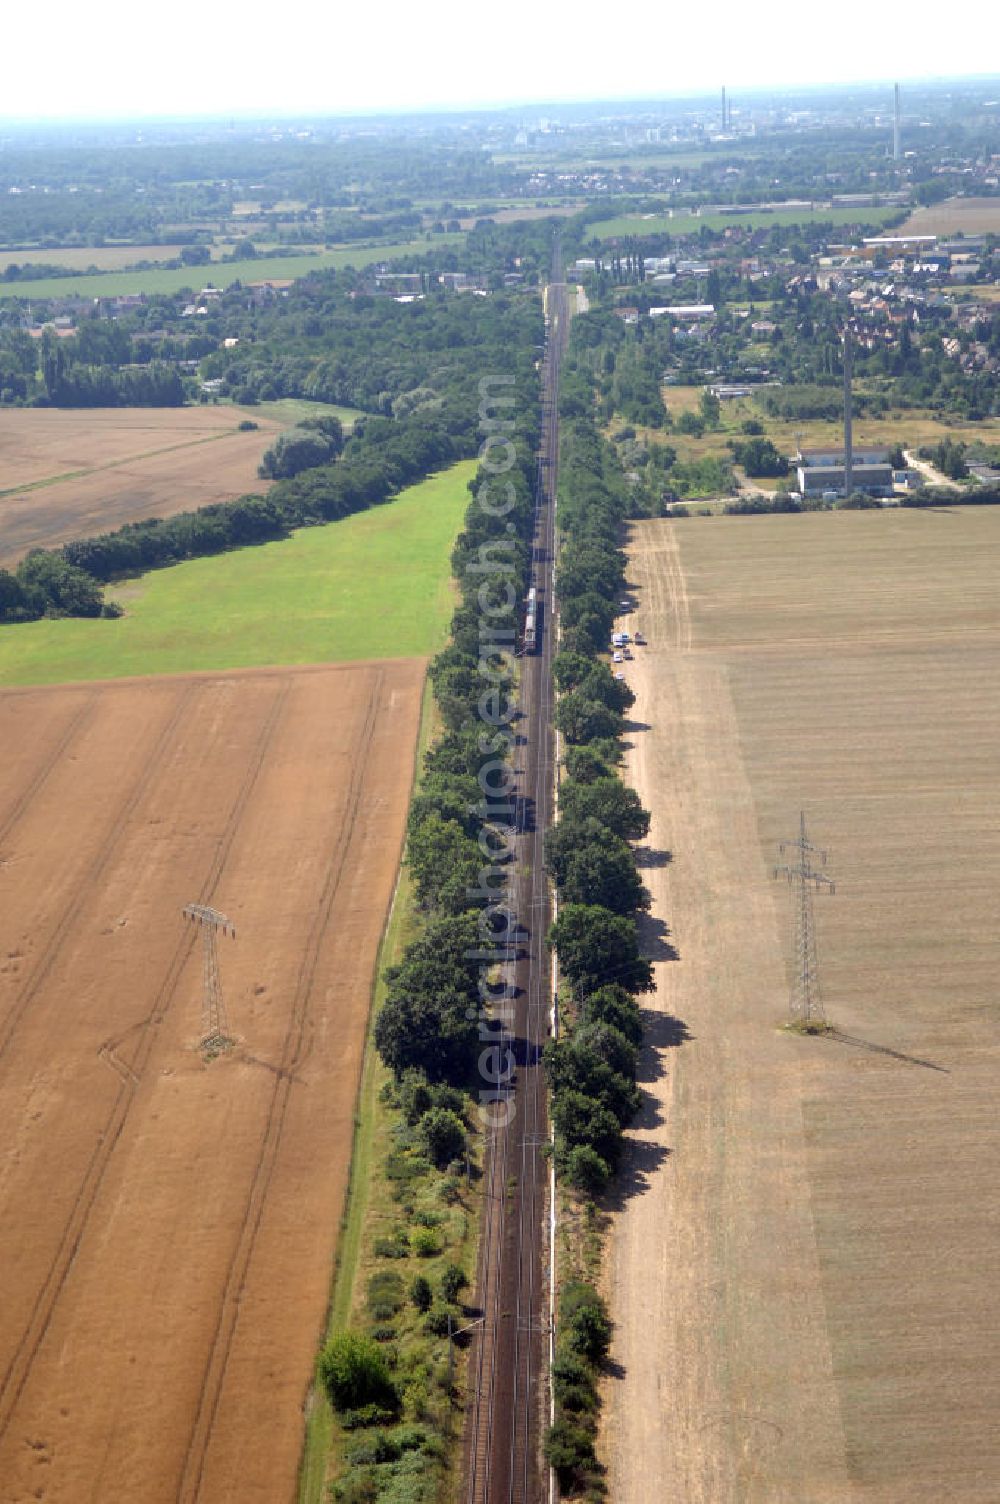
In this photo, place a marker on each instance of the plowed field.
(169, 1220)
(69, 474)
(806, 1268)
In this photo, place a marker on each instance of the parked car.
(639, 640)
(617, 658)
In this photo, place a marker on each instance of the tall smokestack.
(725, 122)
(848, 437)
(896, 152)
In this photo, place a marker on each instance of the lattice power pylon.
(214, 1026)
(805, 1003)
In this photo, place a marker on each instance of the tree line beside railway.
(591, 858)
(388, 1375)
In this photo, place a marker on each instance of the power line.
(805, 1003)
(214, 1025)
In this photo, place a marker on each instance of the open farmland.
(966, 216)
(171, 1219)
(679, 222)
(812, 1226)
(372, 585)
(263, 268)
(70, 474)
(106, 258)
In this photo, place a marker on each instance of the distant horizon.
(735, 90)
(248, 115)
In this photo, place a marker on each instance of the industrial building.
(823, 471)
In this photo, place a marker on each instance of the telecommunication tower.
(214, 1026)
(805, 1004)
(896, 143)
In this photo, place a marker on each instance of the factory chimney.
(725, 122)
(848, 437)
(896, 150)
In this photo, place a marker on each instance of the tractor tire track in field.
(53, 946)
(210, 1393)
(18, 1370)
(24, 799)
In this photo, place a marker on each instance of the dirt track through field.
(170, 1222)
(810, 1227)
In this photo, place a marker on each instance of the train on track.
(529, 640)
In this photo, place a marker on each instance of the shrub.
(426, 1243)
(421, 1293)
(586, 1323)
(437, 1319)
(453, 1280)
(396, 1246)
(573, 1383)
(413, 1095)
(586, 1171)
(569, 1450)
(355, 1373)
(385, 1294)
(442, 1133)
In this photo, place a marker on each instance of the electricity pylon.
(214, 1027)
(805, 1003)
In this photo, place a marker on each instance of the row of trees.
(373, 466)
(592, 1066)
(392, 1379)
(72, 384)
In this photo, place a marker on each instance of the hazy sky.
(111, 58)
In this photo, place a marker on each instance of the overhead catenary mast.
(805, 1004)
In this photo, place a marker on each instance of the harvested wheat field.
(170, 1219)
(71, 474)
(954, 216)
(811, 1226)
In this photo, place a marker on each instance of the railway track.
(507, 1373)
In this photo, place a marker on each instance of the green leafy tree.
(583, 719)
(442, 1134)
(610, 802)
(596, 947)
(355, 1372)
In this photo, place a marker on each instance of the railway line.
(507, 1376)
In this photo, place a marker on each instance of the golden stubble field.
(170, 1219)
(813, 1226)
(968, 216)
(73, 473)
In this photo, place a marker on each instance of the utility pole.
(214, 1027)
(805, 1005)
